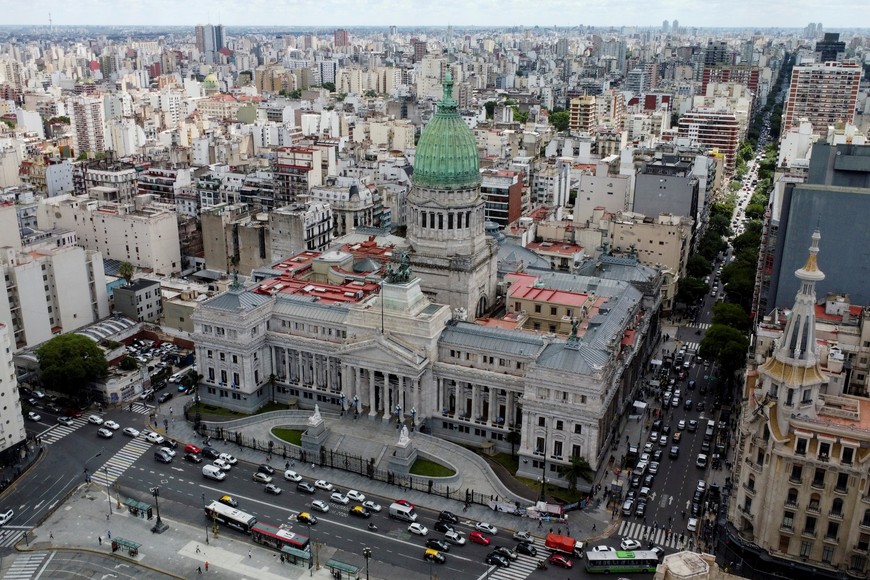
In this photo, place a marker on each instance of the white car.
(454, 537)
(681, 425)
(131, 432)
(418, 529)
(95, 420)
(523, 536)
(372, 506)
(629, 544)
(155, 438)
(602, 549)
(105, 433)
(292, 476)
(355, 495)
(320, 505)
(34, 416)
(222, 465)
(486, 528)
(5, 517)
(273, 489)
(168, 451)
(228, 458)
(111, 425)
(64, 420)
(324, 485)
(336, 497)
(258, 477)
(692, 525)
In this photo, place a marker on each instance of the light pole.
(315, 561)
(355, 406)
(108, 490)
(367, 554)
(159, 526)
(413, 418)
(398, 414)
(87, 477)
(544, 464)
(206, 521)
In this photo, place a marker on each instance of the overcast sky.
(329, 13)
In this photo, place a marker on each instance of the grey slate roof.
(305, 307)
(510, 255)
(497, 340)
(236, 300)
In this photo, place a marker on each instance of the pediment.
(382, 352)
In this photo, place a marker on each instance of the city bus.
(279, 537)
(620, 561)
(230, 516)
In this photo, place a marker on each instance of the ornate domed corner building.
(450, 252)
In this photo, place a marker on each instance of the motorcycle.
(373, 527)
(542, 564)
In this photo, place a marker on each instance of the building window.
(833, 530)
(806, 548)
(557, 449)
(858, 563)
(801, 446)
(539, 446)
(578, 429)
(537, 308)
(810, 526)
(824, 451)
(848, 455)
(559, 425)
(542, 422)
(788, 520)
(747, 505)
(235, 359)
(842, 481)
(827, 554)
(209, 353)
(819, 477)
(796, 473)
(222, 356)
(791, 499)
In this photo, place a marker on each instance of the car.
(705, 447)
(306, 518)
(628, 507)
(130, 432)
(523, 536)
(434, 556)
(354, 495)
(168, 451)
(164, 397)
(162, 456)
(657, 456)
(635, 480)
(644, 493)
(486, 528)
(172, 443)
(146, 394)
(654, 436)
(360, 512)
(561, 561)
(5, 517)
(372, 506)
(105, 433)
(674, 452)
(210, 453)
(230, 459)
(700, 406)
(692, 525)
(338, 497)
(506, 552)
(95, 420)
(688, 405)
(229, 500)
(702, 486)
(324, 485)
(443, 527)
(663, 440)
(34, 416)
(405, 503)
(629, 544)
(666, 430)
(454, 537)
(653, 467)
(64, 420)
(701, 461)
(449, 517)
(305, 487)
(527, 549)
(479, 538)
(648, 480)
(675, 402)
(659, 552)
(648, 448)
(273, 489)
(677, 436)
(190, 448)
(193, 458)
(221, 464)
(438, 545)
(640, 510)
(265, 468)
(602, 548)
(258, 477)
(153, 437)
(418, 528)
(497, 560)
(644, 457)
(291, 475)
(111, 425)
(681, 425)
(692, 426)
(320, 505)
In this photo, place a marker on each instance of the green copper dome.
(446, 155)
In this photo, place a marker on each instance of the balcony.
(791, 504)
(865, 524)
(832, 539)
(813, 507)
(788, 529)
(818, 484)
(835, 515)
(798, 480)
(750, 490)
(809, 533)
(841, 489)
(861, 548)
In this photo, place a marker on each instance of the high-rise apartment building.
(717, 130)
(717, 53)
(419, 47)
(13, 436)
(830, 47)
(340, 38)
(824, 93)
(88, 121)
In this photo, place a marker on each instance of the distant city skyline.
(344, 13)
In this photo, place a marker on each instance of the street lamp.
(206, 521)
(108, 490)
(544, 463)
(159, 526)
(367, 554)
(413, 417)
(355, 406)
(398, 414)
(315, 562)
(87, 477)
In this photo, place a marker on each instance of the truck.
(564, 545)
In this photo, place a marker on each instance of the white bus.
(230, 516)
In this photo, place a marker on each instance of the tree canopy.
(725, 346)
(691, 290)
(125, 271)
(67, 363)
(698, 266)
(560, 120)
(731, 315)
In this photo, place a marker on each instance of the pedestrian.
(282, 558)
(249, 552)
(206, 566)
(100, 540)
(540, 524)
(593, 527)
(287, 465)
(50, 535)
(199, 570)
(109, 533)
(197, 549)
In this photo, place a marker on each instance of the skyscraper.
(209, 40)
(88, 121)
(830, 47)
(340, 38)
(824, 93)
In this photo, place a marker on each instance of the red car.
(191, 448)
(479, 538)
(405, 503)
(561, 561)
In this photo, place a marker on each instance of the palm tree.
(126, 270)
(272, 380)
(513, 437)
(578, 468)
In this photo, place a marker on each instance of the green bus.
(619, 561)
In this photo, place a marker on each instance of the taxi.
(434, 556)
(306, 518)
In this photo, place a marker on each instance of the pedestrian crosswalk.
(25, 566)
(520, 569)
(692, 346)
(57, 432)
(10, 535)
(120, 461)
(701, 325)
(142, 408)
(656, 535)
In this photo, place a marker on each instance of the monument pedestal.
(404, 455)
(315, 436)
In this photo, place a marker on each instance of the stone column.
(301, 367)
(493, 404)
(475, 402)
(387, 401)
(457, 389)
(417, 401)
(357, 386)
(372, 387)
(402, 398)
(286, 365)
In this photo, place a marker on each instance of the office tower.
(830, 48)
(340, 38)
(666, 26)
(419, 47)
(209, 40)
(716, 53)
(824, 93)
(562, 47)
(88, 121)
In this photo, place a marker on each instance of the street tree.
(69, 362)
(691, 291)
(513, 437)
(725, 346)
(578, 468)
(698, 266)
(731, 315)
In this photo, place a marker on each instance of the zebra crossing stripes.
(142, 408)
(692, 346)
(10, 535)
(120, 462)
(701, 325)
(57, 432)
(520, 569)
(658, 536)
(25, 566)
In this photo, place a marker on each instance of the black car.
(700, 406)
(443, 527)
(448, 517)
(438, 545)
(171, 443)
(210, 453)
(640, 510)
(267, 469)
(305, 487)
(164, 397)
(666, 430)
(497, 560)
(648, 480)
(696, 509)
(192, 458)
(657, 455)
(657, 425)
(688, 405)
(635, 480)
(527, 549)
(705, 447)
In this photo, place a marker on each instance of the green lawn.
(428, 468)
(292, 436)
